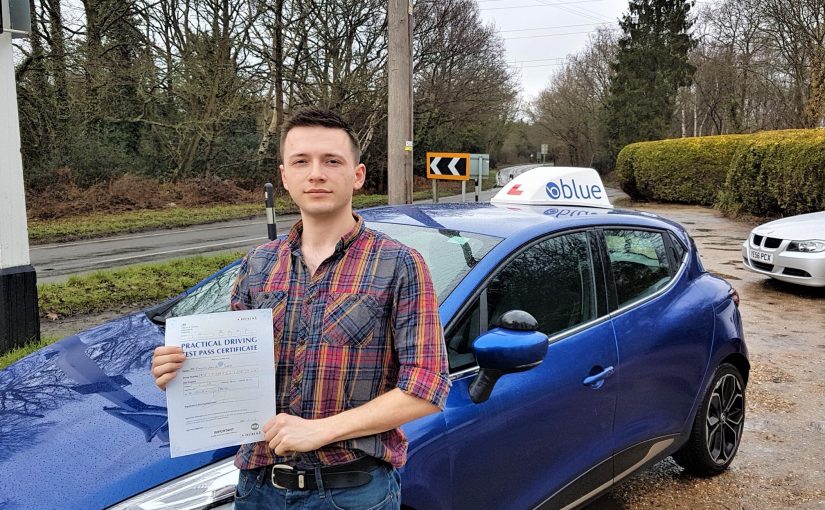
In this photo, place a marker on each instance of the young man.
(358, 343)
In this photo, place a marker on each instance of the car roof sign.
(555, 186)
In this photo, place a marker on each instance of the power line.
(540, 65)
(557, 59)
(550, 28)
(578, 11)
(557, 4)
(545, 35)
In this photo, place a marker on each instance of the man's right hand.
(166, 360)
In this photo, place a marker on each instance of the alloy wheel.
(725, 419)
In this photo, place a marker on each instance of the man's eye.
(334, 161)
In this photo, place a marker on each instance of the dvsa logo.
(573, 190)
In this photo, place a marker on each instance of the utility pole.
(400, 106)
(19, 318)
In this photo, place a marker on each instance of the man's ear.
(360, 176)
(283, 179)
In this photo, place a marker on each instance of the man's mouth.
(318, 191)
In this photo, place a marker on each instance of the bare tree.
(569, 109)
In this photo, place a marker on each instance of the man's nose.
(317, 171)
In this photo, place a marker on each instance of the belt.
(351, 474)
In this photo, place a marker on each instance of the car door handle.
(597, 380)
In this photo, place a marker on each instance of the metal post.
(435, 190)
(269, 202)
(463, 191)
(19, 318)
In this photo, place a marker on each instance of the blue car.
(585, 343)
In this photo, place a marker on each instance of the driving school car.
(790, 249)
(584, 342)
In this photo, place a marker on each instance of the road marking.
(203, 246)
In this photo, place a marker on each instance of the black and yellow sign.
(450, 166)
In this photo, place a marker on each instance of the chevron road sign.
(451, 166)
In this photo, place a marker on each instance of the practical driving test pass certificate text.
(225, 391)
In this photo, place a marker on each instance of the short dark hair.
(317, 117)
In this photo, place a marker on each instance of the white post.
(19, 320)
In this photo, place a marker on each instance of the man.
(358, 342)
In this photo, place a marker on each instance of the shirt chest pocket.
(277, 301)
(350, 319)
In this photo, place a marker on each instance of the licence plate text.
(761, 256)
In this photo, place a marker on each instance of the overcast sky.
(540, 34)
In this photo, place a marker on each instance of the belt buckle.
(287, 467)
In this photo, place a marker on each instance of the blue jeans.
(255, 491)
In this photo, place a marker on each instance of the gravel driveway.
(781, 461)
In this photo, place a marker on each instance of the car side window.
(677, 247)
(638, 261)
(460, 339)
(552, 280)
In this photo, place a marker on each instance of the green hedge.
(780, 173)
(771, 173)
(686, 170)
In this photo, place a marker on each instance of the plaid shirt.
(366, 322)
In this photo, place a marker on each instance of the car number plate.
(761, 256)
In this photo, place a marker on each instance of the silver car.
(791, 249)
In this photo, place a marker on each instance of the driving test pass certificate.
(225, 390)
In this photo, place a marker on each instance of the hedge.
(771, 173)
(777, 174)
(686, 170)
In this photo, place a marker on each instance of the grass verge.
(134, 286)
(24, 350)
(103, 224)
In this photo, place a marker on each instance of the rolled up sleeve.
(418, 334)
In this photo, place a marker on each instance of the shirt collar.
(294, 236)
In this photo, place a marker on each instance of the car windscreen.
(449, 254)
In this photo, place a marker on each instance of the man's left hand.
(288, 434)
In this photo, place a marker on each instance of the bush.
(771, 173)
(686, 170)
(625, 170)
(781, 173)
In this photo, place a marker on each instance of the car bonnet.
(800, 228)
(83, 425)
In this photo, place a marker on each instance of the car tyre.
(717, 429)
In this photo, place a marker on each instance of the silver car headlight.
(813, 246)
(209, 487)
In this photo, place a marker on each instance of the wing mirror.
(514, 346)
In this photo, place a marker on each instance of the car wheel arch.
(741, 363)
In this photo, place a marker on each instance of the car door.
(544, 427)
(664, 331)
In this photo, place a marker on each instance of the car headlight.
(209, 487)
(807, 246)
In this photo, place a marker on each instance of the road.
(56, 262)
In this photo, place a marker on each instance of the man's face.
(319, 170)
